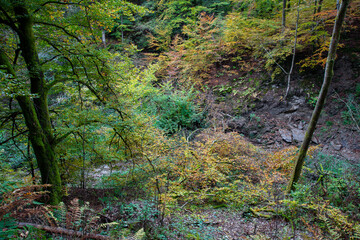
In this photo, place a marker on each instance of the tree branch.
(57, 2)
(49, 60)
(59, 80)
(58, 140)
(17, 52)
(59, 230)
(9, 20)
(294, 51)
(8, 117)
(59, 27)
(13, 137)
(61, 138)
(350, 111)
(282, 69)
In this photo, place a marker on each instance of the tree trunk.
(44, 151)
(320, 5)
(294, 52)
(322, 96)
(103, 37)
(315, 7)
(63, 231)
(283, 20)
(35, 108)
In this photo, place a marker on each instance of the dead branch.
(59, 230)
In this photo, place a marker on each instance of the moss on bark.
(35, 110)
(322, 96)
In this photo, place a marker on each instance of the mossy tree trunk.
(322, 96)
(34, 106)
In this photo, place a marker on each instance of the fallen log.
(59, 230)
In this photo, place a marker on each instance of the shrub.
(175, 111)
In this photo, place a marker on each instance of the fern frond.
(73, 214)
(15, 202)
(60, 215)
(105, 225)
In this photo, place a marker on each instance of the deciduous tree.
(45, 44)
(322, 96)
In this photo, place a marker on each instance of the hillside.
(177, 119)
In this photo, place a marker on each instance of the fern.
(73, 214)
(17, 202)
(60, 215)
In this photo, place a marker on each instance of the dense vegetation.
(120, 120)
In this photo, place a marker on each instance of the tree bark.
(35, 106)
(315, 6)
(294, 52)
(64, 231)
(283, 20)
(322, 96)
(44, 151)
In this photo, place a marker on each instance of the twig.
(13, 137)
(294, 51)
(349, 111)
(282, 69)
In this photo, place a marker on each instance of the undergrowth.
(215, 170)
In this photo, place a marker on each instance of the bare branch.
(282, 69)
(49, 60)
(57, 2)
(13, 137)
(350, 111)
(61, 138)
(59, 230)
(294, 51)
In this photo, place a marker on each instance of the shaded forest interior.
(180, 119)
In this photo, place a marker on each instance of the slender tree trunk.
(322, 96)
(103, 37)
(283, 21)
(319, 6)
(294, 52)
(315, 7)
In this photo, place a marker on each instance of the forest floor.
(254, 106)
(273, 124)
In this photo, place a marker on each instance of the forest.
(180, 119)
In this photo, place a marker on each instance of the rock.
(286, 135)
(295, 104)
(278, 108)
(291, 110)
(297, 101)
(315, 140)
(297, 134)
(237, 123)
(301, 125)
(335, 145)
(253, 133)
